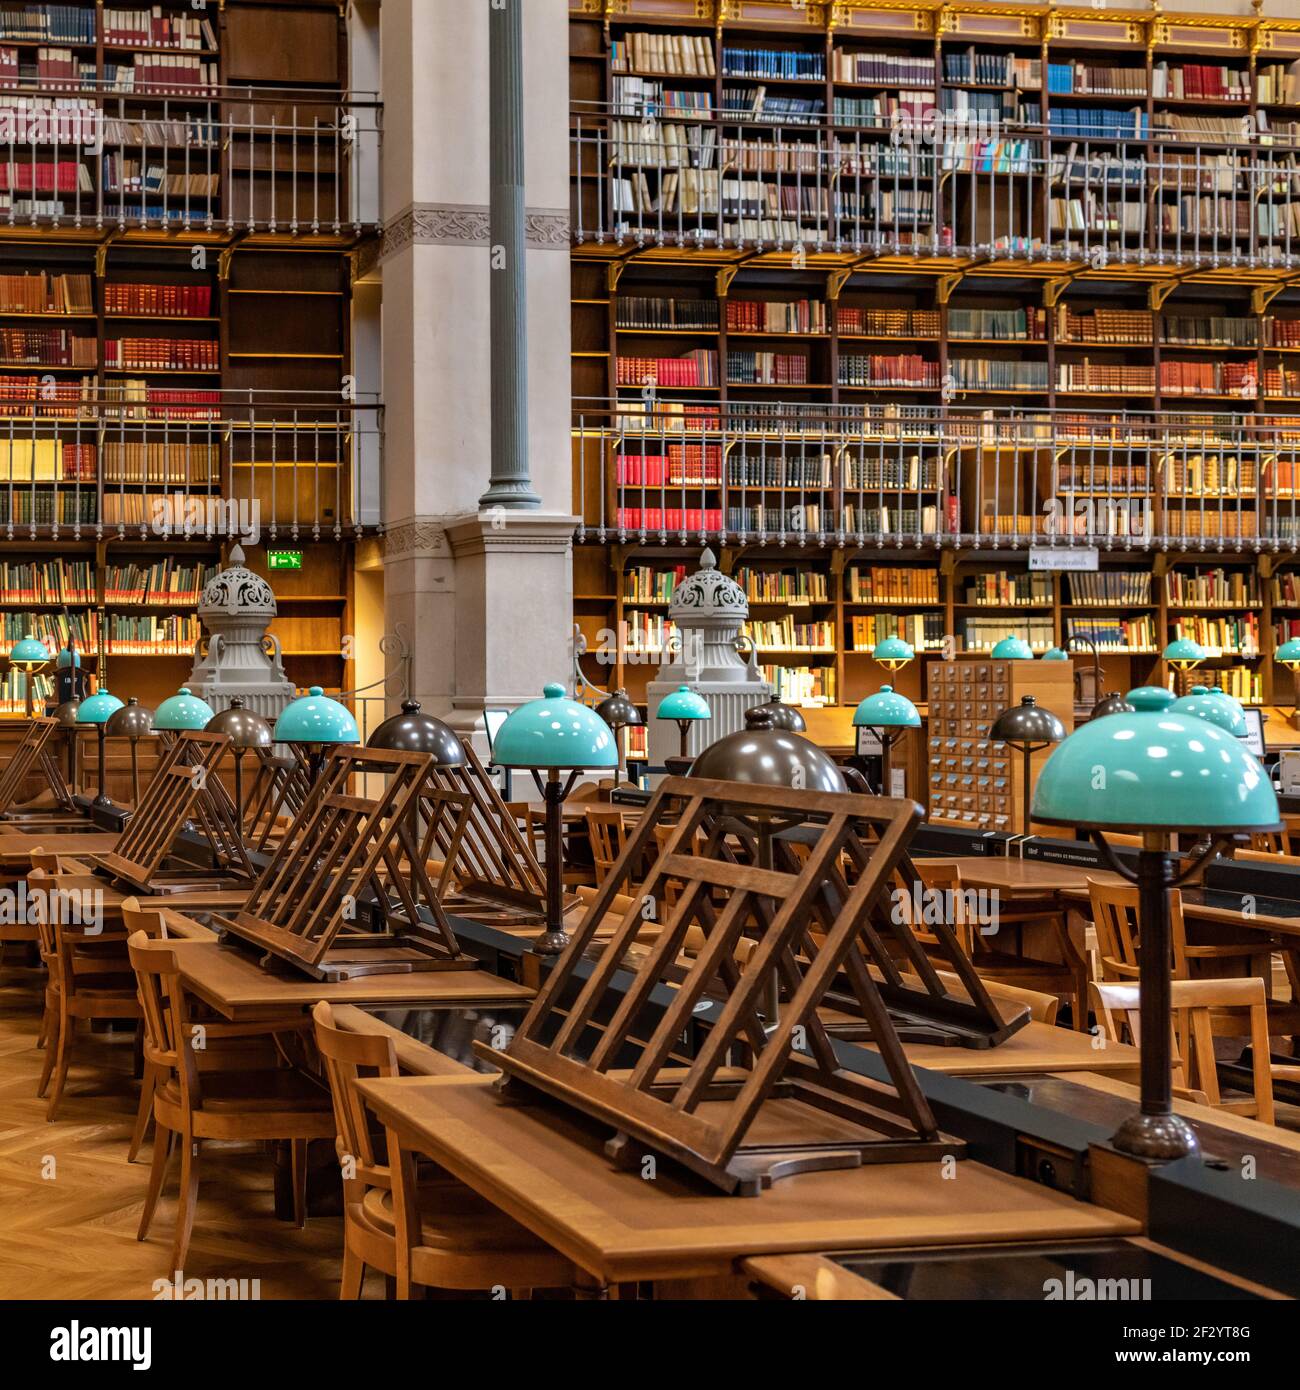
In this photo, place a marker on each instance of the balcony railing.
(203, 160)
(922, 477)
(141, 462)
(920, 184)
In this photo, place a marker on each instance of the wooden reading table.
(545, 1167)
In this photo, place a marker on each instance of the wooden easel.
(487, 863)
(344, 851)
(34, 754)
(607, 1053)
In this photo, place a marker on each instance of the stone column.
(483, 597)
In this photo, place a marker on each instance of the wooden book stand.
(487, 861)
(280, 789)
(609, 1055)
(181, 789)
(342, 852)
(34, 754)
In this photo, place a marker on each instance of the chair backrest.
(944, 879)
(346, 1056)
(168, 1041)
(149, 920)
(1194, 1002)
(67, 921)
(1268, 842)
(1266, 856)
(1115, 916)
(607, 831)
(1116, 1004)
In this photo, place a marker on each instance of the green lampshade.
(316, 719)
(683, 703)
(555, 732)
(893, 653)
(1155, 769)
(1227, 715)
(97, 708)
(1055, 654)
(887, 710)
(1289, 653)
(1184, 653)
(1013, 649)
(182, 711)
(67, 658)
(29, 653)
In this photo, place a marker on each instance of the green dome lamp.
(1183, 654)
(1225, 714)
(132, 722)
(889, 716)
(30, 656)
(1157, 772)
(1055, 654)
(684, 707)
(1028, 728)
(552, 735)
(1288, 655)
(313, 724)
(1013, 649)
(182, 712)
(96, 711)
(893, 653)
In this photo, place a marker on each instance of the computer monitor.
(868, 743)
(493, 720)
(1253, 738)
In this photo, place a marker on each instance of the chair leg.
(161, 1146)
(189, 1199)
(298, 1172)
(49, 1028)
(145, 1112)
(67, 1027)
(354, 1272)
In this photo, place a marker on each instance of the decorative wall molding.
(415, 538)
(468, 224)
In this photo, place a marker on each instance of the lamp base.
(1156, 1138)
(551, 943)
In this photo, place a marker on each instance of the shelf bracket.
(722, 282)
(614, 272)
(223, 264)
(1263, 295)
(1053, 290)
(1158, 293)
(947, 284)
(836, 281)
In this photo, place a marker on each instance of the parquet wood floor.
(70, 1203)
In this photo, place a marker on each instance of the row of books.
(1211, 588)
(987, 374)
(646, 584)
(1125, 326)
(51, 628)
(46, 347)
(688, 519)
(45, 461)
(43, 293)
(1285, 589)
(795, 587)
(923, 631)
(166, 582)
(169, 512)
(1278, 83)
(158, 301)
(1095, 79)
(663, 144)
(48, 581)
(13, 692)
(888, 521)
(1208, 378)
(163, 354)
(157, 462)
(776, 316)
(690, 55)
(1281, 381)
(1203, 475)
(782, 64)
(123, 175)
(155, 28)
(993, 69)
(1121, 635)
(45, 176)
(786, 635)
(698, 368)
(172, 135)
(1109, 588)
(1200, 82)
(881, 584)
(681, 468)
(1097, 123)
(760, 471)
(983, 634)
(162, 73)
(174, 635)
(638, 96)
(1029, 323)
(62, 23)
(998, 589)
(658, 311)
(767, 369)
(1238, 634)
(807, 686)
(758, 104)
(1216, 331)
(890, 470)
(1087, 375)
(882, 69)
(889, 323)
(646, 633)
(1241, 683)
(906, 369)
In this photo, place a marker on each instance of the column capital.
(498, 530)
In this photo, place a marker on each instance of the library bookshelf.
(915, 288)
(179, 219)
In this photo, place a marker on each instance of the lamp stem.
(1156, 1133)
(885, 746)
(101, 798)
(1028, 790)
(554, 939)
(683, 728)
(135, 778)
(239, 791)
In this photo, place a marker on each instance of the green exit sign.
(285, 559)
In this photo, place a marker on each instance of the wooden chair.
(1269, 842)
(607, 831)
(279, 1104)
(1116, 1005)
(85, 984)
(1066, 978)
(436, 1234)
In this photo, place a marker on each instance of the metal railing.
(201, 160)
(929, 185)
(132, 460)
(920, 476)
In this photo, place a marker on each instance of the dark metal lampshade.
(762, 755)
(245, 728)
(618, 711)
(1111, 703)
(785, 716)
(66, 714)
(1027, 723)
(413, 731)
(133, 721)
